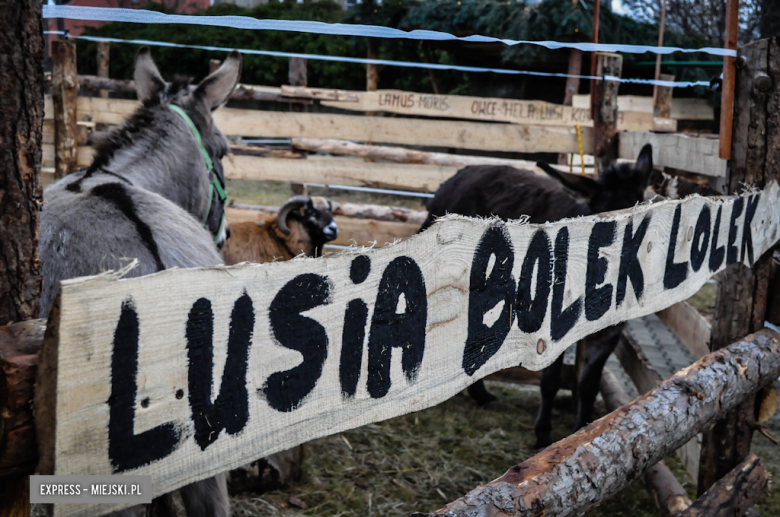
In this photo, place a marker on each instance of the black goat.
(509, 193)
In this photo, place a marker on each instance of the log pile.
(575, 474)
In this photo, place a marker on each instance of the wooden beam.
(669, 495)
(735, 493)
(64, 87)
(605, 108)
(275, 124)
(646, 378)
(678, 151)
(663, 102)
(682, 109)
(690, 327)
(619, 446)
(728, 84)
(338, 171)
(403, 155)
(539, 113)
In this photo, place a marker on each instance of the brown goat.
(303, 226)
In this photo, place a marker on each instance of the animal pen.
(433, 296)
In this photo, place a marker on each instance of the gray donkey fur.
(145, 197)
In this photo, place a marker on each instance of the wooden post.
(372, 72)
(21, 122)
(214, 65)
(727, 88)
(662, 106)
(605, 100)
(298, 77)
(103, 50)
(593, 105)
(742, 292)
(64, 87)
(735, 493)
(658, 57)
(429, 59)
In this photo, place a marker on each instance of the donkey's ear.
(215, 89)
(577, 183)
(149, 84)
(644, 163)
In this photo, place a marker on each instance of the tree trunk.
(21, 131)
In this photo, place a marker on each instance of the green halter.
(214, 183)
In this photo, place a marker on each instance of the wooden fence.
(425, 288)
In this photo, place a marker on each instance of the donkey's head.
(170, 145)
(617, 187)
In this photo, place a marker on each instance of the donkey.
(155, 193)
(509, 193)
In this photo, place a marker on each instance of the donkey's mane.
(126, 133)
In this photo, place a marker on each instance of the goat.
(303, 226)
(152, 193)
(509, 193)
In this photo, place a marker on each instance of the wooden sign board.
(538, 113)
(187, 373)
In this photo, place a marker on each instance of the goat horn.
(294, 203)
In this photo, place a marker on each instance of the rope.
(113, 14)
(407, 64)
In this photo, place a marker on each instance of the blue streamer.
(407, 64)
(115, 14)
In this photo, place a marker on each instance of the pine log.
(103, 53)
(403, 155)
(735, 493)
(669, 495)
(577, 473)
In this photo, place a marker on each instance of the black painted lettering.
(486, 290)
(598, 299)
(717, 253)
(731, 250)
(230, 410)
(286, 390)
(530, 312)
(701, 238)
(747, 232)
(630, 268)
(562, 320)
(127, 450)
(354, 333)
(397, 324)
(675, 272)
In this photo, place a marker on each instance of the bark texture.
(21, 122)
(64, 88)
(742, 292)
(735, 493)
(575, 474)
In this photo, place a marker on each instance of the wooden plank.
(690, 327)
(678, 151)
(276, 124)
(301, 384)
(338, 171)
(538, 113)
(404, 155)
(615, 449)
(682, 109)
